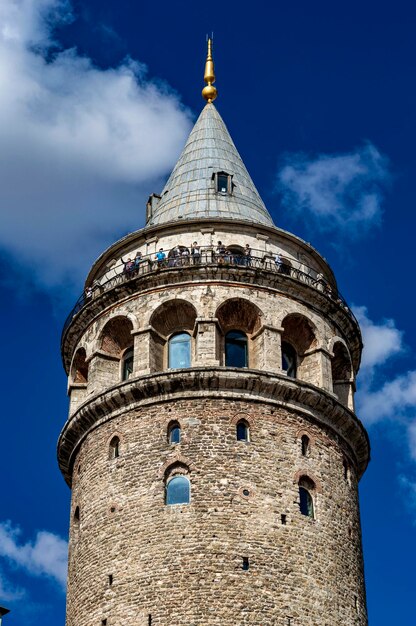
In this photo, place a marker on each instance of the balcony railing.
(131, 269)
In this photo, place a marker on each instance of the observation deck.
(259, 268)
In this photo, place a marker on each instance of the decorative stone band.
(214, 382)
(189, 275)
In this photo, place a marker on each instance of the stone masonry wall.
(182, 565)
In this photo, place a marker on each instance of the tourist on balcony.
(184, 256)
(128, 266)
(173, 256)
(195, 253)
(279, 262)
(247, 255)
(220, 252)
(160, 258)
(138, 259)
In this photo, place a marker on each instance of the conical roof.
(190, 192)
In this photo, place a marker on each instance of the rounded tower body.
(211, 445)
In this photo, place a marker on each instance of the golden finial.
(209, 92)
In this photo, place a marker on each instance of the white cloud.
(381, 341)
(45, 556)
(336, 192)
(394, 400)
(82, 147)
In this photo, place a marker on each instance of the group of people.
(181, 255)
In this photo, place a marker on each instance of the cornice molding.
(213, 382)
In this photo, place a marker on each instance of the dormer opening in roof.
(223, 183)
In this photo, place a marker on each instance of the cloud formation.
(336, 192)
(45, 556)
(381, 341)
(382, 397)
(82, 147)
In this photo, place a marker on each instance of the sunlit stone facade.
(271, 451)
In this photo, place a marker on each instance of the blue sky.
(96, 100)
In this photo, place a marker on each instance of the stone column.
(267, 349)
(205, 333)
(148, 351)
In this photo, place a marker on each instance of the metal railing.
(257, 260)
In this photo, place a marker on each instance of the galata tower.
(211, 446)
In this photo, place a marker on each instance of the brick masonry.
(182, 565)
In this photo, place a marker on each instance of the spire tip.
(209, 92)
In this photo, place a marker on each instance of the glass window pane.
(306, 502)
(178, 490)
(175, 434)
(236, 349)
(222, 182)
(242, 431)
(180, 351)
(127, 364)
(289, 360)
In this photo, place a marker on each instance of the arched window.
(243, 432)
(305, 445)
(236, 353)
(306, 486)
(289, 359)
(76, 515)
(174, 433)
(127, 364)
(178, 490)
(179, 351)
(114, 448)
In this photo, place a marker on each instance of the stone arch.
(239, 314)
(304, 473)
(173, 316)
(116, 336)
(168, 319)
(342, 372)
(79, 367)
(113, 341)
(178, 255)
(175, 461)
(300, 333)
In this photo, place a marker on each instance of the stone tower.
(211, 445)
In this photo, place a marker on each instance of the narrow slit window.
(245, 565)
(305, 445)
(114, 448)
(127, 364)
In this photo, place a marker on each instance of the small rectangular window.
(222, 183)
(245, 566)
(283, 518)
(110, 579)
